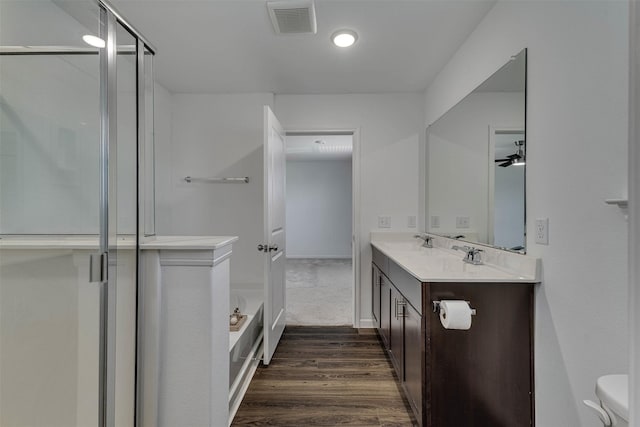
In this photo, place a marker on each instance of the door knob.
(267, 248)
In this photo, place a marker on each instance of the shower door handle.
(98, 267)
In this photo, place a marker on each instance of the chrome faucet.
(428, 240)
(472, 255)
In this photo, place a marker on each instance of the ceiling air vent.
(293, 17)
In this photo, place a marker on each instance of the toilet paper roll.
(455, 314)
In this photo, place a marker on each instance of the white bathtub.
(245, 345)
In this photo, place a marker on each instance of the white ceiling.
(229, 46)
(319, 147)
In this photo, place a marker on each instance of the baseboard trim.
(366, 323)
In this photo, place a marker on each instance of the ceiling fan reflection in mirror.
(516, 159)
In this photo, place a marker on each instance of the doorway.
(319, 216)
(506, 203)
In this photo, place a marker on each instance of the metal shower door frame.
(110, 18)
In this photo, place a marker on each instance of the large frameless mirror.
(476, 163)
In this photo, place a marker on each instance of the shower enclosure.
(76, 193)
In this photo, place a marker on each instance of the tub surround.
(128, 241)
(184, 321)
(182, 318)
(444, 264)
(187, 242)
(478, 375)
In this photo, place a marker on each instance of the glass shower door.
(49, 213)
(70, 126)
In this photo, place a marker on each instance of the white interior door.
(274, 233)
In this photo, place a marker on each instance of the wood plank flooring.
(326, 376)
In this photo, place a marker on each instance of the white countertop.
(443, 264)
(84, 242)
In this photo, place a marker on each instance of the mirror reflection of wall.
(469, 195)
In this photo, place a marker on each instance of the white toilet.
(613, 392)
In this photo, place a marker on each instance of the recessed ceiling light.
(344, 38)
(93, 41)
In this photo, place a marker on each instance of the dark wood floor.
(325, 376)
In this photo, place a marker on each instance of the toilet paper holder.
(436, 307)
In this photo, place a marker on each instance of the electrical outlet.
(435, 221)
(542, 231)
(462, 222)
(411, 221)
(384, 222)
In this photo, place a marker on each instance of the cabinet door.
(396, 343)
(385, 310)
(483, 376)
(413, 348)
(375, 296)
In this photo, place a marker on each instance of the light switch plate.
(384, 222)
(411, 221)
(542, 231)
(435, 221)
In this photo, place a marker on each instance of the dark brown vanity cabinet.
(385, 310)
(454, 378)
(375, 295)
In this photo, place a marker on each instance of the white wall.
(221, 135)
(319, 208)
(461, 138)
(577, 109)
(215, 136)
(391, 127)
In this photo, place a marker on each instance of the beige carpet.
(319, 292)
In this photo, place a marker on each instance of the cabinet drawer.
(380, 260)
(408, 285)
